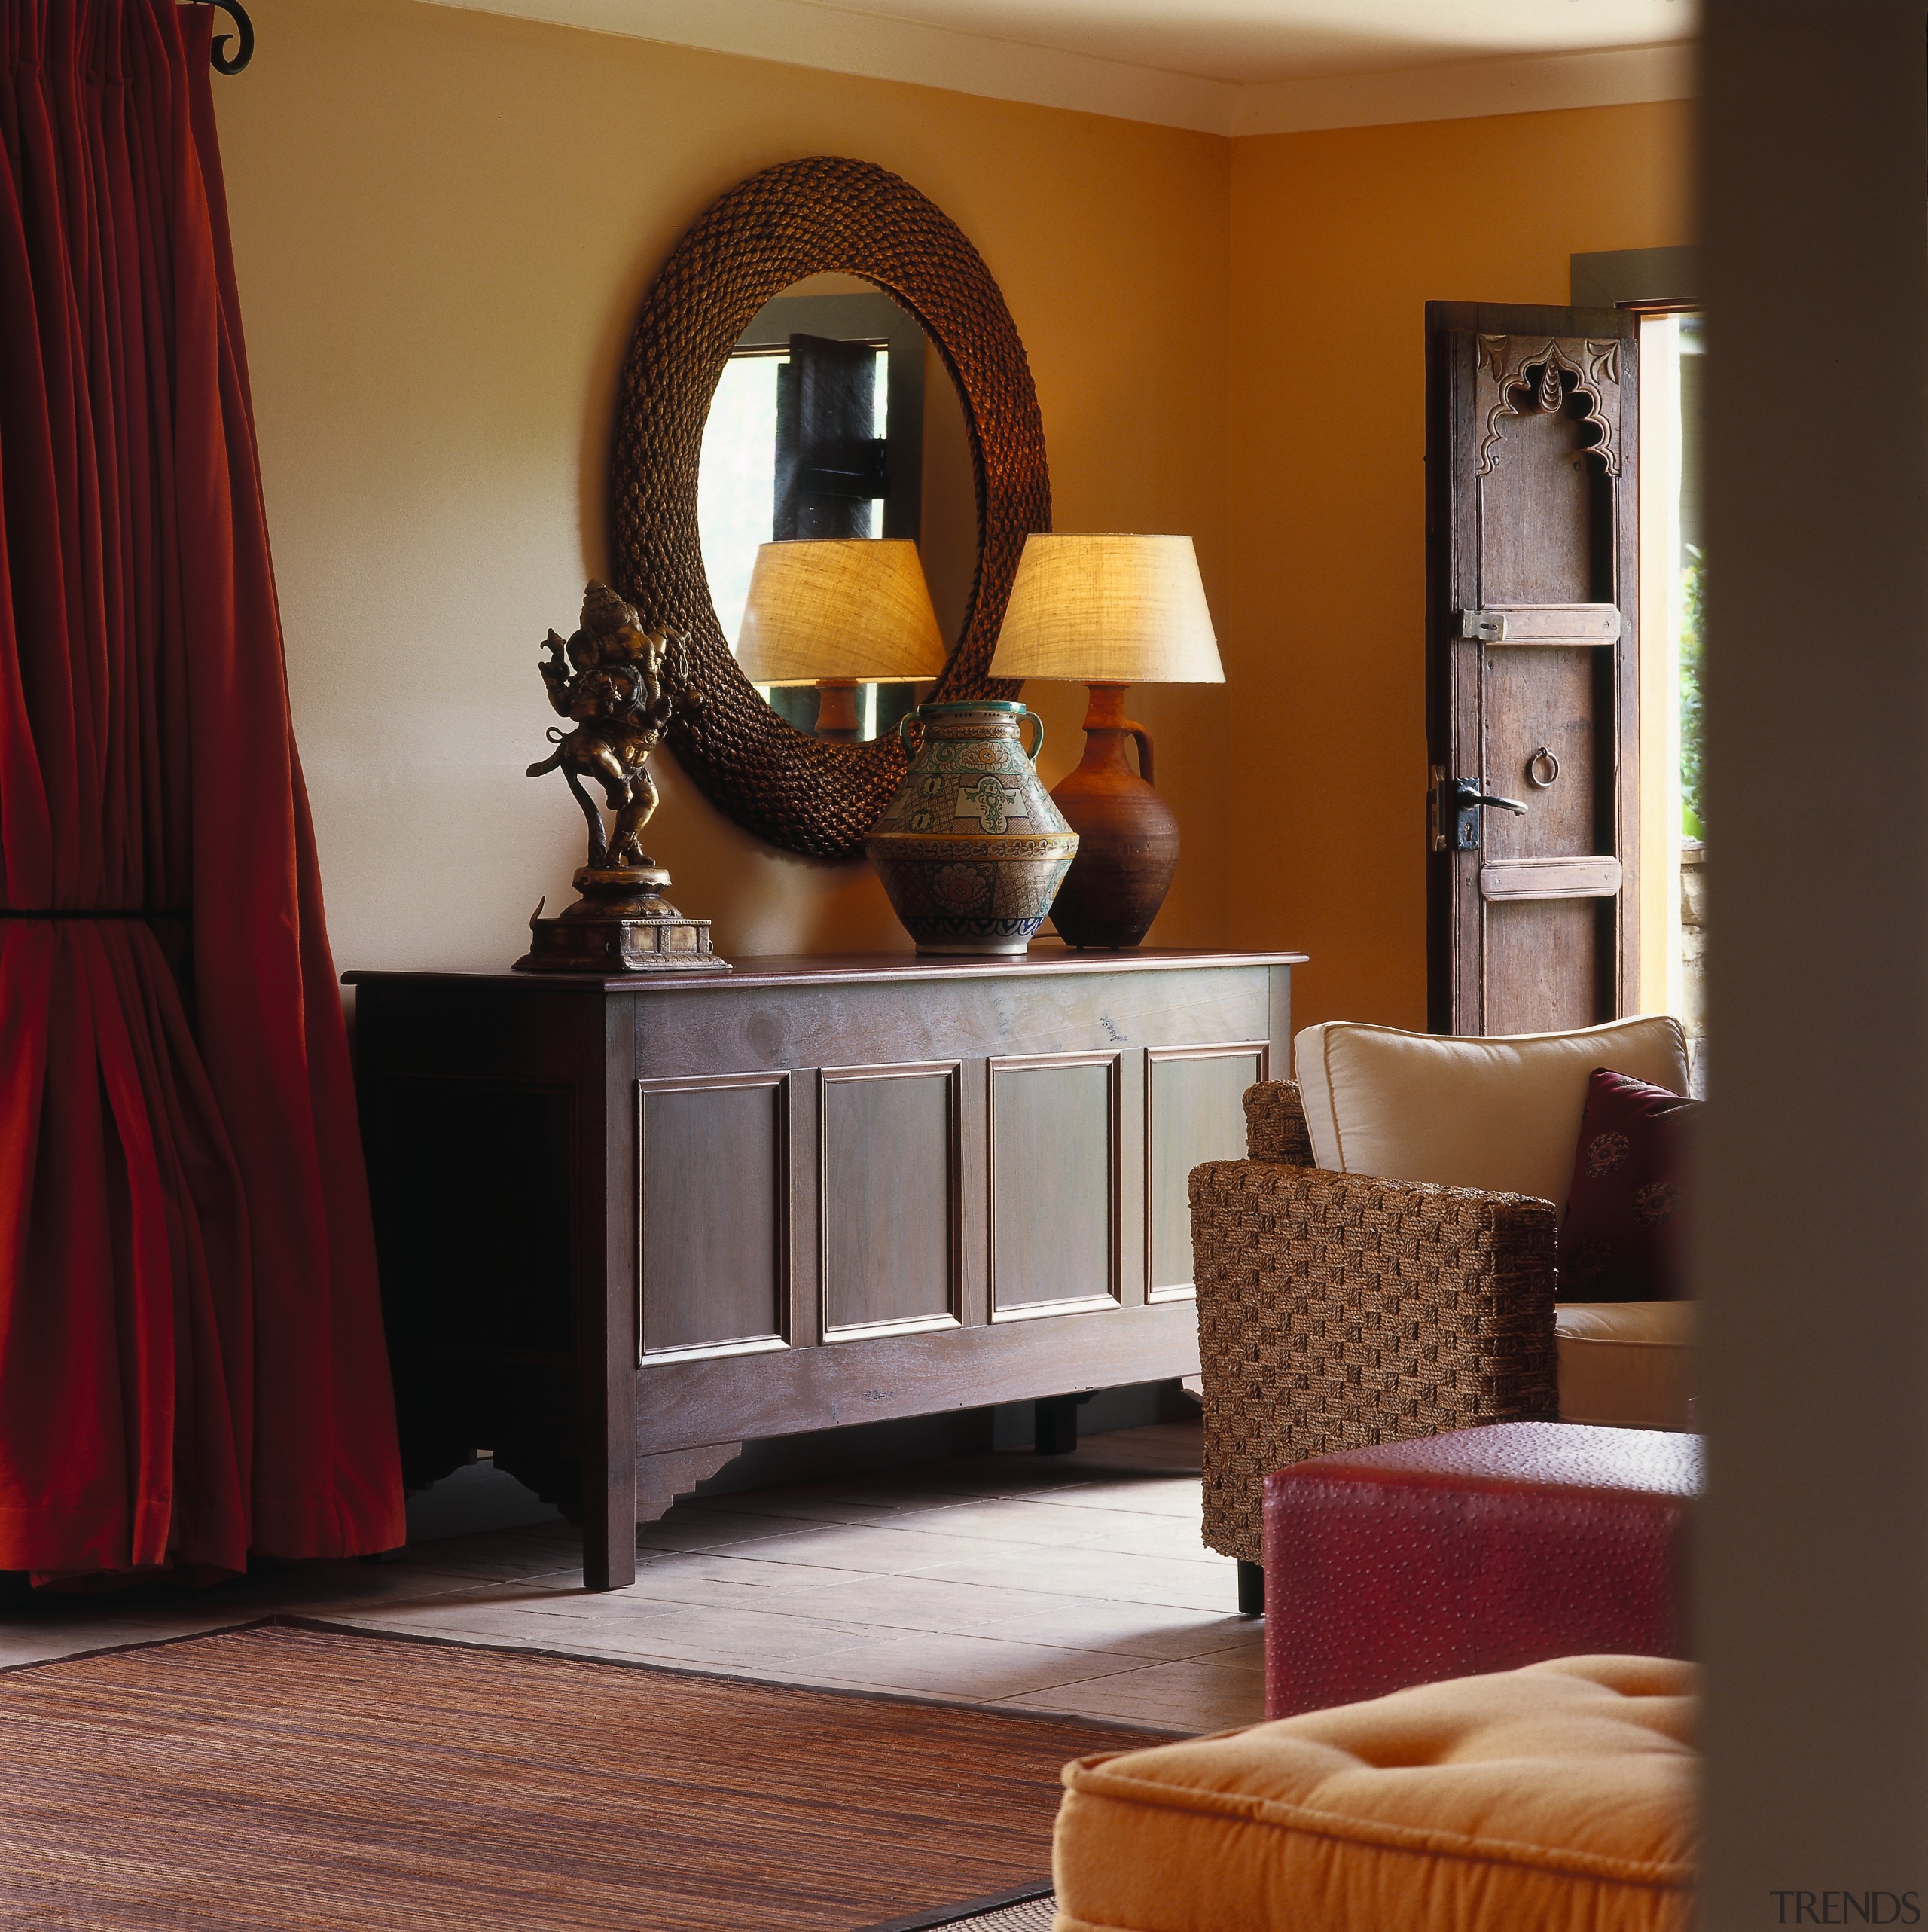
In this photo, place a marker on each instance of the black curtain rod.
(218, 57)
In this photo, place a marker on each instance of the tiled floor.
(1068, 1583)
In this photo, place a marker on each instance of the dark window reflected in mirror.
(835, 419)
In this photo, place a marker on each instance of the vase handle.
(1144, 738)
(904, 725)
(1038, 744)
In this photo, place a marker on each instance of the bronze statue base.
(621, 924)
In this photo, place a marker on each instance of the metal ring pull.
(1544, 756)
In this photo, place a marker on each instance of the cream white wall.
(444, 224)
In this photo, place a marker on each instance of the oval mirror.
(835, 429)
(776, 238)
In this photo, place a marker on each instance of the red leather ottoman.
(1484, 1549)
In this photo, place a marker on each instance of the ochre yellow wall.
(443, 225)
(1338, 240)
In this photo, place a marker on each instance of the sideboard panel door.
(713, 1210)
(889, 1207)
(1054, 1184)
(1194, 1111)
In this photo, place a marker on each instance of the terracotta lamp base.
(1127, 835)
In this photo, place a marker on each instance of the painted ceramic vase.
(971, 850)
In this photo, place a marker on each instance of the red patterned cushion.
(1624, 1237)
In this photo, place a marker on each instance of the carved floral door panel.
(1532, 686)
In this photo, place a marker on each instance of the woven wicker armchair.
(1336, 1311)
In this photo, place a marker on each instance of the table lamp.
(837, 612)
(1108, 612)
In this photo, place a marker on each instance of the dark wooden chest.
(626, 1225)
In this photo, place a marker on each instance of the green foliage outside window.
(1693, 813)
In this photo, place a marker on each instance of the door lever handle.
(1467, 800)
(1466, 795)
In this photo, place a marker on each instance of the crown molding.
(1463, 90)
(801, 33)
(840, 41)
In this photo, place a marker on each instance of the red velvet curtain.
(191, 1361)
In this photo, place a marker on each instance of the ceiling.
(1278, 39)
(1228, 66)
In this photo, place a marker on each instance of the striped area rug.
(288, 1775)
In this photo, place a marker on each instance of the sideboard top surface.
(852, 968)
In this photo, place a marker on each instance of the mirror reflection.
(835, 462)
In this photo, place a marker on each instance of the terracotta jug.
(971, 850)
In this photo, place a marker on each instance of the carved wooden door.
(830, 462)
(1533, 690)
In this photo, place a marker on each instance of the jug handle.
(1038, 744)
(904, 725)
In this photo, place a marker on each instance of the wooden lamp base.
(1127, 835)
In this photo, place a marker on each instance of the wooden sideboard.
(627, 1225)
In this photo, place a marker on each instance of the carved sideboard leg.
(609, 1540)
(606, 1361)
(660, 1479)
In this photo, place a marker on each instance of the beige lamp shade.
(838, 607)
(1105, 609)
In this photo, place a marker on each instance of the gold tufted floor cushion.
(1560, 1798)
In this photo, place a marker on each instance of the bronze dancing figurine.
(619, 685)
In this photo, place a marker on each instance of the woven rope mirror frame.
(805, 218)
